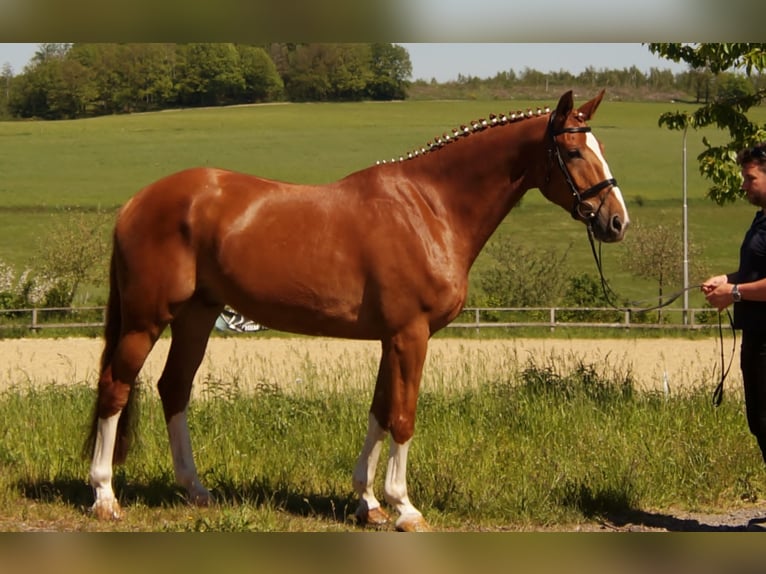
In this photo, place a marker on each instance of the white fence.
(470, 318)
(606, 317)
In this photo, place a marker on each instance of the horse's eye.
(573, 153)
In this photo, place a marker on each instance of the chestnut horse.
(383, 254)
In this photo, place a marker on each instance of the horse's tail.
(112, 330)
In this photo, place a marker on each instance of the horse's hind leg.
(114, 391)
(190, 330)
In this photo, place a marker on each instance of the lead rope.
(609, 294)
(718, 392)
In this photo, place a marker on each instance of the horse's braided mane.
(464, 131)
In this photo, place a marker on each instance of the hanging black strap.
(718, 392)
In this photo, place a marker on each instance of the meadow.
(544, 444)
(97, 164)
(533, 442)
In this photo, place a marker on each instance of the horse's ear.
(565, 105)
(589, 108)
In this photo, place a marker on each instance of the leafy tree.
(50, 51)
(307, 77)
(209, 74)
(71, 91)
(262, 80)
(729, 111)
(730, 86)
(6, 77)
(31, 92)
(349, 71)
(391, 69)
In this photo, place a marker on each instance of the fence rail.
(52, 318)
(601, 317)
(469, 318)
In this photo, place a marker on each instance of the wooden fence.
(470, 318)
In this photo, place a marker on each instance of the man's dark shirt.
(751, 315)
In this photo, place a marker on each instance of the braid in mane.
(464, 131)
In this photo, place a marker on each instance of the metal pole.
(686, 239)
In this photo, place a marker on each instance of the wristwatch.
(736, 296)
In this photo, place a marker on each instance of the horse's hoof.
(106, 510)
(201, 498)
(374, 517)
(415, 523)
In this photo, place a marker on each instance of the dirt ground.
(670, 365)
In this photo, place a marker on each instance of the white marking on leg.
(594, 146)
(364, 471)
(183, 459)
(100, 475)
(396, 482)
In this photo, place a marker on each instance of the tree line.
(697, 84)
(65, 81)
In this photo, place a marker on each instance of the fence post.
(33, 326)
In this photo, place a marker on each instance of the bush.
(28, 290)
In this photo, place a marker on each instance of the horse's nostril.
(617, 223)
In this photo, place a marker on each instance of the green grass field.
(541, 448)
(99, 163)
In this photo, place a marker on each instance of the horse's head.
(578, 177)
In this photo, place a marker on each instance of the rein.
(579, 199)
(664, 302)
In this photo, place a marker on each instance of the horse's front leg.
(393, 410)
(410, 519)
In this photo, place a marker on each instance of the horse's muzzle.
(609, 229)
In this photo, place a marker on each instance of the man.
(746, 288)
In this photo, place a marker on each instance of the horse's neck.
(480, 178)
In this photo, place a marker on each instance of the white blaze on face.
(596, 149)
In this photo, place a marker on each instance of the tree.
(75, 253)
(391, 70)
(31, 94)
(520, 277)
(209, 74)
(50, 51)
(653, 253)
(262, 80)
(6, 77)
(349, 71)
(729, 111)
(307, 78)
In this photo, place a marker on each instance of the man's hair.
(755, 154)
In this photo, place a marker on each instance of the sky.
(445, 62)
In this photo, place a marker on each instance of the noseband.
(579, 196)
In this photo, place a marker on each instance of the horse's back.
(335, 259)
